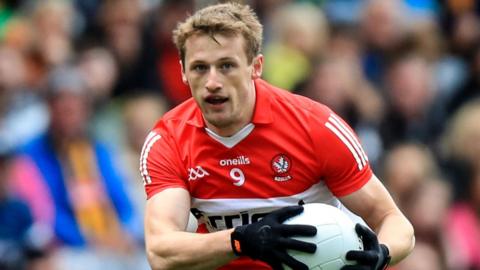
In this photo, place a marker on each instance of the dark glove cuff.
(386, 252)
(236, 242)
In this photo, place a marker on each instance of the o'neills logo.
(240, 160)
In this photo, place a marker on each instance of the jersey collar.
(263, 104)
(261, 114)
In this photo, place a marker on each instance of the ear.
(257, 67)
(182, 70)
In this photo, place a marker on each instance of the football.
(335, 237)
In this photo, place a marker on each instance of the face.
(69, 115)
(221, 80)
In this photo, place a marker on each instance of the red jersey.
(293, 150)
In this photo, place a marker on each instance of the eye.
(226, 66)
(200, 68)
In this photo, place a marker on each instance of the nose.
(213, 83)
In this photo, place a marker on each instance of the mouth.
(215, 100)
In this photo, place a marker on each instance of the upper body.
(69, 179)
(282, 158)
(44, 179)
(241, 148)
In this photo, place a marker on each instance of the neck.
(243, 120)
(226, 131)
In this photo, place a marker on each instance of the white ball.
(335, 237)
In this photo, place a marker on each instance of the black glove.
(268, 239)
(374, 256)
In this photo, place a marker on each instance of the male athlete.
(242, 155)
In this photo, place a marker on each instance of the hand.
(375, 256)
(268, 239)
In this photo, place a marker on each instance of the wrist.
(387, 257)
(235, 240)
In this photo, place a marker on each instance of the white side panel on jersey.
(316, 193)
(221, 208)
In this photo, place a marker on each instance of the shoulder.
(287, 103)
(172, 131)
(36, 146)
(178, 117)
(184, 110)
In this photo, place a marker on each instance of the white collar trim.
(231, 141)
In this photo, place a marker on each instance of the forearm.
(375, 205)
(397, 234)
(183, 250)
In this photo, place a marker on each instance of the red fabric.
(285, 124)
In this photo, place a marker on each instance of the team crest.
(281, 165)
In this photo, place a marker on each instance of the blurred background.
(83, 81)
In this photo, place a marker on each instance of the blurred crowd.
(83, 81)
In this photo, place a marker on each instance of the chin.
(219, 122)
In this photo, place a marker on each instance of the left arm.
(347, 173)
(374, 204)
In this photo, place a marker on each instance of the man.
(241, 149)
(71, 182)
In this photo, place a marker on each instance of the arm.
(170, 247)
(374, 204)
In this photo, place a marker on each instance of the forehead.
(202, 47)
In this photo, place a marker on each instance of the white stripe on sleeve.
(346, 142)
(350, 137)
(151, 139)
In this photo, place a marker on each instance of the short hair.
(226, 19)
(65, 79)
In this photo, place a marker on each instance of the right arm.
(170, 247)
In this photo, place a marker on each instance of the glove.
(375, 256)
(268, 239)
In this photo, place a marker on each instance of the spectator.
(18, 105)
(410, 95)
(99, 69)
(122, 29)
(428, 209)
(471, 87)
(71, 182)
(299, 35)
(461, 145)
(21, 248)
(405, 168)
(413, 177)
(139, 114)
(53, 24)
(423, 257)
(383, 27)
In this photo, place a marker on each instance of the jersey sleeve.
(344, 164)
(160, 166)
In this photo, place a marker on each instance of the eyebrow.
(226, 58)
(223, 59)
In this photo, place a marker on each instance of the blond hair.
(463, 133)
(226, 19)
